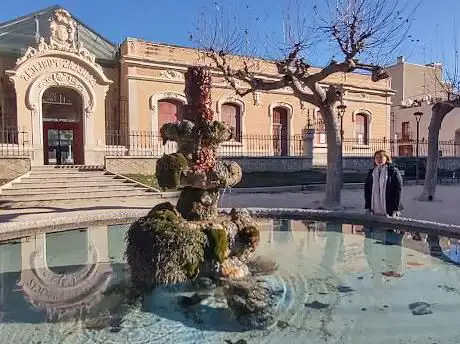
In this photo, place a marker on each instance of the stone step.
(89, 174)
(74, 184)
(68, 168)
(54, 179)
(71, 189)
(78, 196)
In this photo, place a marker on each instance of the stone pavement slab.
(445, 209)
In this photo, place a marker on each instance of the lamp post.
(418, 116)
(340, 113)
(393, 137)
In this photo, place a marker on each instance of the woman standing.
(383, 188)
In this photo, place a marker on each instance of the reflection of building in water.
(62, 275)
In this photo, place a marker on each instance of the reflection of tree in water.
(333, 251)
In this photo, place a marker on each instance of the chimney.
(400, 59)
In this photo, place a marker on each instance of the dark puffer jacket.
(393, 190)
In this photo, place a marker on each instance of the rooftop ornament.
(175, 244)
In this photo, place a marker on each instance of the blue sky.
(171, 21)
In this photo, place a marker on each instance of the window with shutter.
(280, 131)
(231, 114)
(361, 129)
(169, 111)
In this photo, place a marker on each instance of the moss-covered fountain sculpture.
(173, 244)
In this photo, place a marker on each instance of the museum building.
(70, 96)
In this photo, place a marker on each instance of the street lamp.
(340, 113)
(393, 136)
(418, 116)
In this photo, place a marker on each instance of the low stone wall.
(13, 167)
(449, 163)
(146, 165)
(357, 163)
(274, 164)
(131, 165)
(364, 163)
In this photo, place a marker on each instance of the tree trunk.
(431, 174)
(334, 158)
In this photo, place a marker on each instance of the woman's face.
(380, 159)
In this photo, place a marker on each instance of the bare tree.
(357, 29)
(441, 108)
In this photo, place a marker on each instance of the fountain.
(190, 241)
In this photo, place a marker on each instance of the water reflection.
(68, 277)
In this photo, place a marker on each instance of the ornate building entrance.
(61, 86)
(62, 127)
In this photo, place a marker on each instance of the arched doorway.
(280, 131)
(62, 110)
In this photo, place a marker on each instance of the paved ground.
(446, 209)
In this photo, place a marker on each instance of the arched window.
(169, 111)
(362, 129)
(231, 114)
(320, 131)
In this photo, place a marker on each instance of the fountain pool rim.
(12, 230)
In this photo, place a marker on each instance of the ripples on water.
(338, 284)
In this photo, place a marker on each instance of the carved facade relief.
(63, 37)
(172, 75)
(60, 79)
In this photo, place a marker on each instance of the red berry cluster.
(206, 160)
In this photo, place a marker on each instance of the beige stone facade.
(417, 88)
(118, 104)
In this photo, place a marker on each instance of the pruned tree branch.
(358, 28)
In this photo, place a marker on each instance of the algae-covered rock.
(217, 249)
(169, 169)
(198, 204)
(217, 132)
(226, 174)
(253, 301)
(162, 249)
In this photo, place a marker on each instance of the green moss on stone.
(163, 249)
(169, 169)
(198, 204)
(218, 243)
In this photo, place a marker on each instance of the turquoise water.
(336, 283)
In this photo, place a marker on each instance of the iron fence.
(13, 142)
(398, 148)
(147, 143)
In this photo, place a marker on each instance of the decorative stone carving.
(256, 97)
(165, 95)
(172, 75)
(60, 79)
(63, 31)
(63, 37)
(233, 100)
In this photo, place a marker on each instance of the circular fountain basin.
(341, 278)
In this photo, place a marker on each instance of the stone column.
(307, 137)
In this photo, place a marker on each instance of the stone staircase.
(65, 183)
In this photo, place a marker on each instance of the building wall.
(450, 124)
(149, 72)
(413, 80)
(152, 69)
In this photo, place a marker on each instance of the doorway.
(280, 131)
(62, 127)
